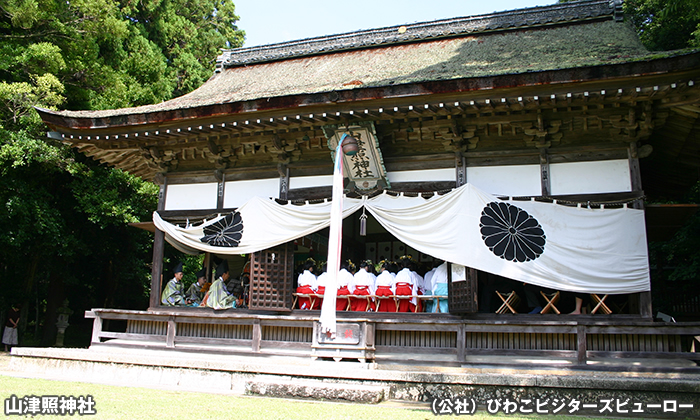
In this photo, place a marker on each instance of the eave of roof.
(654, 65)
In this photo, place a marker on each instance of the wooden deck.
(407, 337)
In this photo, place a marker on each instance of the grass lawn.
(116, 402)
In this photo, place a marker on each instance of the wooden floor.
(407, 337)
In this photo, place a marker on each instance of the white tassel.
(363, 223)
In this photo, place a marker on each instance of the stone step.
(317, 390)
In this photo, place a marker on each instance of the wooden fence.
(402, 337)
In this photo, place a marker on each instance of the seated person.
(321, 282)
(173, 294)
(405, 285)
(344, 279)
(385, 286)
(306, 284)
(428, 289)
(218, 296)
(362, 285)
(439, 288)
(418, 289)
(239, 294)
(196, 292)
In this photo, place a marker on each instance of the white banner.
(545, 244)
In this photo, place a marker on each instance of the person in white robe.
(306, 284)
(344, 279)
(439, 280)
(362, 284)
(428, 289)
(405, 285)
(385, 285)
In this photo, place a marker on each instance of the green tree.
(63, 217)
(665, 24)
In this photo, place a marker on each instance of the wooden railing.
(429, 338)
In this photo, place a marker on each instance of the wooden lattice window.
(271, 280)
(462, 295)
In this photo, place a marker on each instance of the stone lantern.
(64, 313)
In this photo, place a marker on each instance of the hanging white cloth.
(545, 244)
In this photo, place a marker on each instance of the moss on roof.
(587, 43)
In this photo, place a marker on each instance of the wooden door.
(463, 293)
(271, 280)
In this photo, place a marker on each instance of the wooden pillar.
(221, 178)
(283, 171)
(461, 169)
(645, 309)
(544, 173)
(157, 271)
(172, 332)
(158, 250)
(635, 172)
(257, 336)
(581, 358)
(461, 344)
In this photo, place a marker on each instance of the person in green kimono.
(218, 296)
(196, 292)
(173, 294)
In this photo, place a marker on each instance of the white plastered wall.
(513, 180)
(236, 193)
(603, 176)
(310, 181)
(191, 196)
(427, 175)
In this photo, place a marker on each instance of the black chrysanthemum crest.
(511, 233)
(227, 231)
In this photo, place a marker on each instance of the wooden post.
(461, 344)
(158, 250)
(461, 169)
(635, 172)
(172, 331)
(581, 351)
(221, 178)
(257, 336)
(157, 270)
(645, 309)
(283, 171)
(544, 173)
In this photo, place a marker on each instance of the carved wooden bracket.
(541, 134)
(630, 128)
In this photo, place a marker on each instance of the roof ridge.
(419, 31)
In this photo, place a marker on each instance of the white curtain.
(549, 245)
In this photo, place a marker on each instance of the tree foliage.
(665, 24)
(63, 217)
